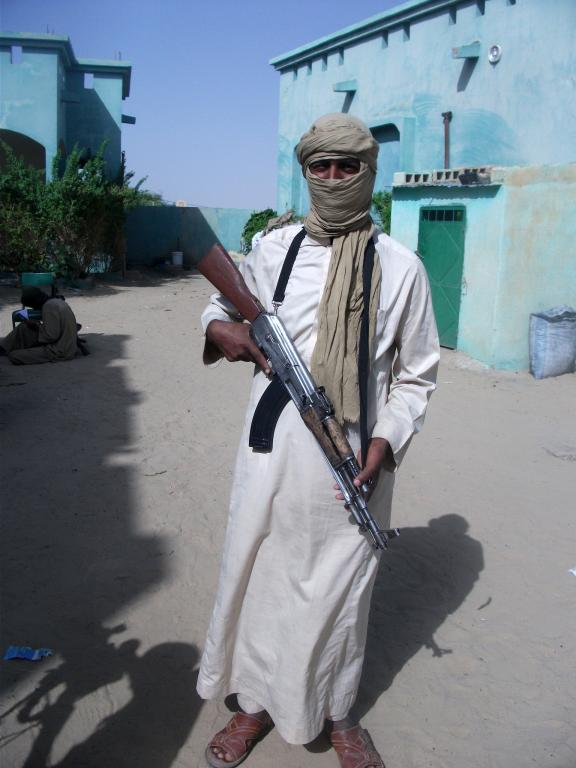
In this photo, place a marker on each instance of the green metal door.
(441, 248)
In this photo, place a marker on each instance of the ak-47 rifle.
(291, 380)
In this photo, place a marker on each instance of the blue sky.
(203, 93)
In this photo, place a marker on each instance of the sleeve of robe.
(51, 326)
(401, 415)
(220, 308)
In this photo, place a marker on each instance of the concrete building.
(504, 69)
(50, 100)
(495, 252)
(473, 104)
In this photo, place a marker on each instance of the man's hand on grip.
(379, 457)
(233, 340)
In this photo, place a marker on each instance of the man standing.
(54, 339)
(288, 630)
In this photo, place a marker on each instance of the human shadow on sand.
(423, 577)
(147, 732)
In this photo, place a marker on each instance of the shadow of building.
(72, 556)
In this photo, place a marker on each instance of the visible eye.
(319, 165)
(349, 165)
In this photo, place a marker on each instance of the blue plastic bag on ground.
(24, 652)
(553, 342)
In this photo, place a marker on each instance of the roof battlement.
(381, 24)
(62, 45)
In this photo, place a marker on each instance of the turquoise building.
(50, 100)
(498, 75)
(473, 103)
(495, 251)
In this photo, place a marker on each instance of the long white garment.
(289, 624)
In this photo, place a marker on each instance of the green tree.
(382, 206)
(86, 212)
(71, 223)
(255, 223)
(23, 235)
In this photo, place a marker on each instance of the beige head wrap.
(340, 210)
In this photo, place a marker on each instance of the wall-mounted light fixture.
(494, 54)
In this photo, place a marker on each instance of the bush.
(255, 223)
(382, 205)
(69, 224)
(23, 234)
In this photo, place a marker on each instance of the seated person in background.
(53, 339)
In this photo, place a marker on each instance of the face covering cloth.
(340, 211)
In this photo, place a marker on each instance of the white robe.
(289, 624)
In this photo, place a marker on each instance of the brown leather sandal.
(238, 738)
(355, 748)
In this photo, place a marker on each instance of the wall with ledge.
(153, 232)
(30, 97)
(518, 254)
(51, 97)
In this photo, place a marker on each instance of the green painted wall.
(519, 253)
(152, 232)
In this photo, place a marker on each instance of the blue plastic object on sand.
(28, 654)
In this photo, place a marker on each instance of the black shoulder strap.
(364, 347)
(280, 291)
(364, 342)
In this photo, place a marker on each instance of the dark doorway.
(32, 152)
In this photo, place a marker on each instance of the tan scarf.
(340, 210)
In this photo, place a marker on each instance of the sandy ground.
(115, 477)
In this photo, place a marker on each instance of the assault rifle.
(291, 380)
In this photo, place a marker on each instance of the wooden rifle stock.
(220, 270)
